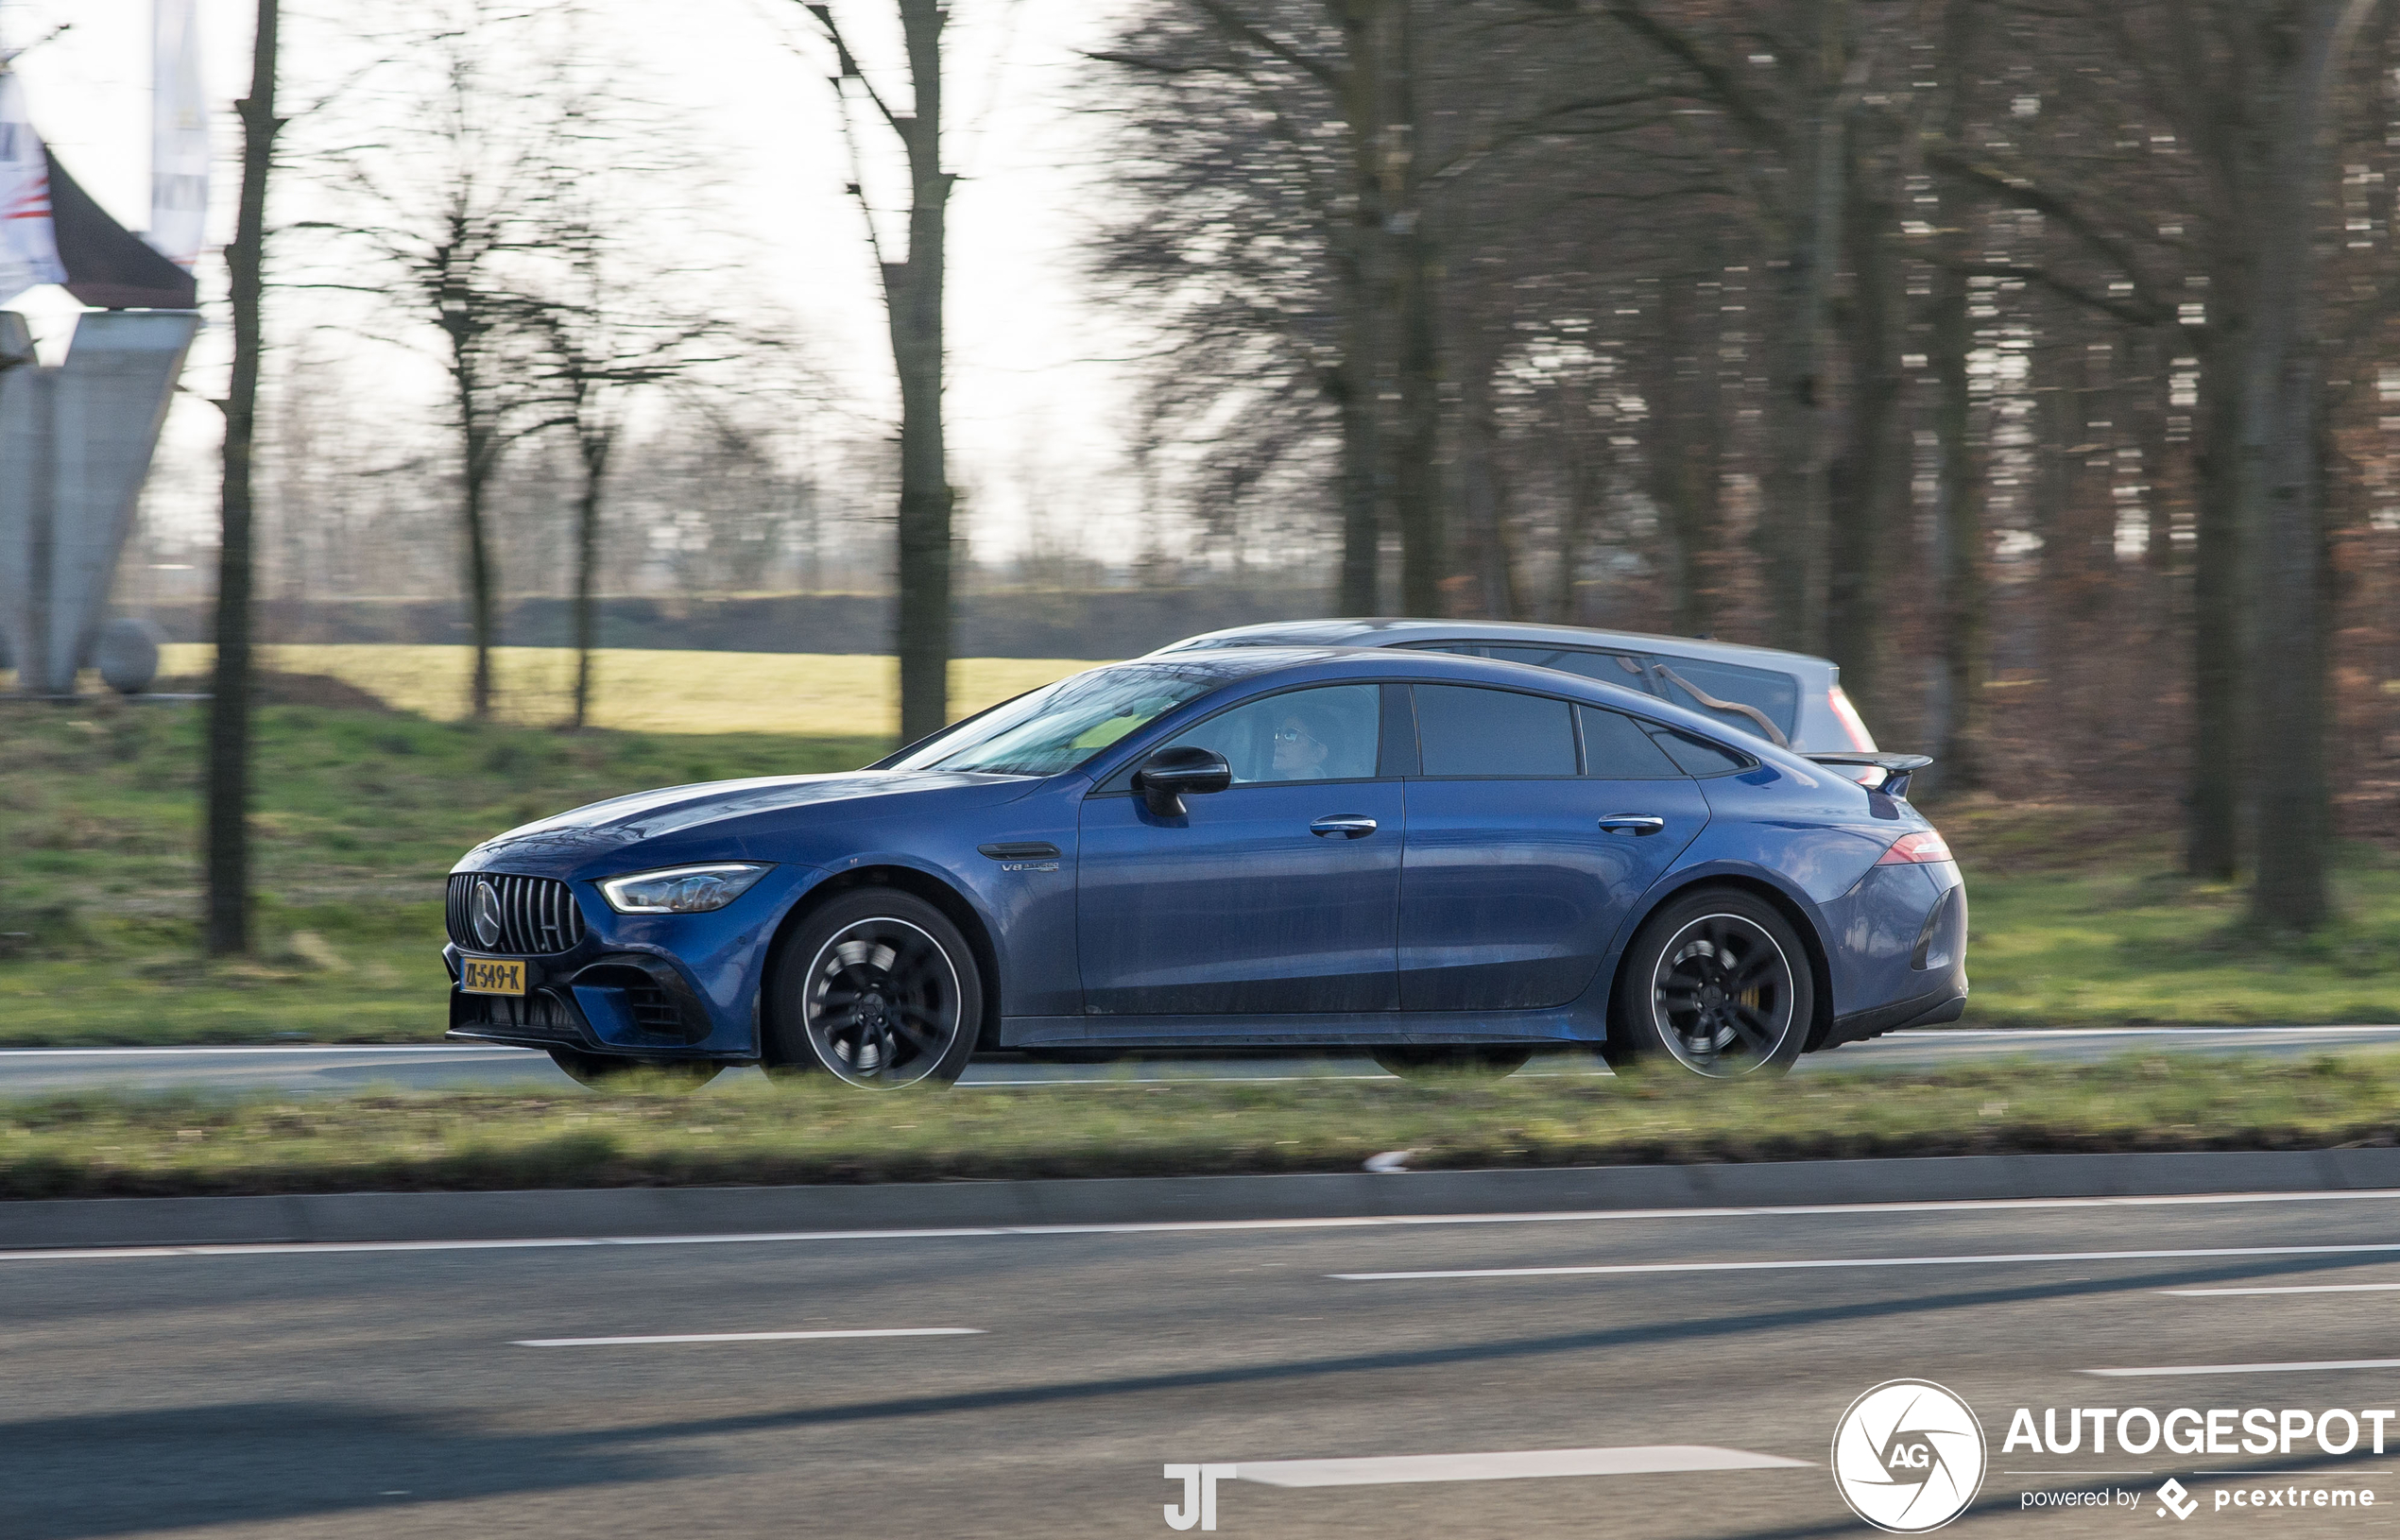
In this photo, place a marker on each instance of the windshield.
(1060, 726)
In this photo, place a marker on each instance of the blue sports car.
(1448, 862)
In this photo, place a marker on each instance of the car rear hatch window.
(1757, 701)
(1591, 663)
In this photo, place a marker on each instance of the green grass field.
(363, 810)
(107, 1145)
(806, 694)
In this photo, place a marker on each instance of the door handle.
(1350, 826)
(1632, 823)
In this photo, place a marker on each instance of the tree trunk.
(1964, 637)
(595, 447)
(1417, 476)
(1684, 474)
(482, 580)
(1858, 495)
(226, 930)
(1583, 453)
(1367, 334)
(913, 296)
(1361, 498)
(2282, 487)
(2212, 841)
(1485, 495)
(1791, 524)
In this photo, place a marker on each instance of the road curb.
(638, 1212)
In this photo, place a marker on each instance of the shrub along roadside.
(120, 1145)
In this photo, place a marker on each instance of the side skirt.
(1563, 1024)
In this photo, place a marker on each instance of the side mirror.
(1171, 775)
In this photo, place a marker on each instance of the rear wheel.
(880, 990)
(1434, 1061)
(611, 1071)
(1717, 983)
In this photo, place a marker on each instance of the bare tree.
(609, 339)
(452, 208)
(912, 285)
(228, 731)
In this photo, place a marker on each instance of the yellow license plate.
(485, 976)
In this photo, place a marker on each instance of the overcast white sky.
(1031, 391)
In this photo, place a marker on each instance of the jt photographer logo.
(1908, 1456)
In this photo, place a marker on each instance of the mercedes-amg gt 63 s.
(1445, 860)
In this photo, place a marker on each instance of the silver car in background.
(1790, 699)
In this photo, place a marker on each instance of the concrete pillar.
(75, 447)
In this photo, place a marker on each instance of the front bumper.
(611, 1003)
(655, 985)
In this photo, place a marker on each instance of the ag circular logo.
(1908, 1456)
(486, 917)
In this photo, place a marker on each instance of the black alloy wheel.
(1437, 1061)
(880, 990)
(1719, 985)
(617, 1072)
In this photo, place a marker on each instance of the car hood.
(602, 826)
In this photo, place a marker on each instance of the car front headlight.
(682, 890)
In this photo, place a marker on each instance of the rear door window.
(1617, 748)
(1465, 730)
(1757, 701)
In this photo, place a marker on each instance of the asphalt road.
(435, 1066)
(395, 1391)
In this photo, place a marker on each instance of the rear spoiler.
(1897, 768)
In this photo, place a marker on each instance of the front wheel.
(880, 990)
(1437, 1061)
(1717, 983)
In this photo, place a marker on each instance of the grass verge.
(362, 813)
(2076, 922)
(119, 1145)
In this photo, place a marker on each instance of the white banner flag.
(178, 134)
(29, 245)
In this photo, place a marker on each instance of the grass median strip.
(97, 1145)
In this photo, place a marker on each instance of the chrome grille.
(537, 914)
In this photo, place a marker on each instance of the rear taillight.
(1852, 724)
(1922, 848)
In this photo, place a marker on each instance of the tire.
(611, 1071)
(1716, 984)
(877, 988)
(1440, 1061)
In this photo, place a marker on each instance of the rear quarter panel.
(1816, 837)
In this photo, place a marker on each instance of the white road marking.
(748, 1337)
(2243, 1368)
(452, 1050)
(1988, 1258)
(304, 1248)
(2290, 1289)
(1509, 1465)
